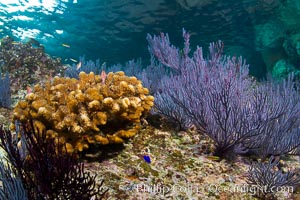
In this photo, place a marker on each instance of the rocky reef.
(277, 39)
(26, 63)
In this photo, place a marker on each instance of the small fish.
(132, 178)
(51, 77)
(103, 76)
(78, 66)
(29, 90)
(73, 60)
(34, 42)
(147, 159)
(15, 43)
(103, 65)
(213, 158)
(66, 45)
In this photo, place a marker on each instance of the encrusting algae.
(87, 111)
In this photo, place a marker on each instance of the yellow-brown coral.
(87, 111)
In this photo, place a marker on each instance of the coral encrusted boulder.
(96, 109)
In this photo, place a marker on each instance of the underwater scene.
(140, 99)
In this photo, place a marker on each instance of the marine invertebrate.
(205, 90)
(165, 105)
(12, 186)
(277, 105)
(268, 178)
(5, 96)
(150, 76)
(46, 170)
(85, 66)
(86, 111)
(223, 101)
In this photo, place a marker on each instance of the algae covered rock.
(269, 35)
(27, 63)
(92, 110)
(283, 68)
(291, 46)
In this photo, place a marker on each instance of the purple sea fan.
(224, 99)
(277, 110)
(162, 49)
(85, 66)
(267, 178)
(213, 93)
(165, 105)
(5, 94)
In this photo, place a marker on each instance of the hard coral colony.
(86, 111)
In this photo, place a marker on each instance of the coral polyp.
(87, 111)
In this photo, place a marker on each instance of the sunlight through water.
(19, 17)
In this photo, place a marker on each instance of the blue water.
(115, 31)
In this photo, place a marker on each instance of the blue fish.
(147, 159)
